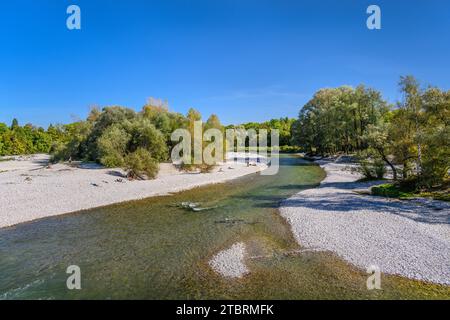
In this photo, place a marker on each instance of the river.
(154, 249)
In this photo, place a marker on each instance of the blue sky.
(243, 60)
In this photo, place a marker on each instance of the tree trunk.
(385, 159)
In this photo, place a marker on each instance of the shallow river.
(153, 249)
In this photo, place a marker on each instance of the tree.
(193, 115)
(112, 146)
(143, 134)
(213, 122)
(115, 137)
(435, 137)
(380, 144)
(335, 120)
(412, 107)
(14, 124)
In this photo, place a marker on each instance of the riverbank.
(406, 238)
(31, 189)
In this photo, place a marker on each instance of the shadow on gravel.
(344, 202)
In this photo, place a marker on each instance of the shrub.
(112, 146)
(379, 168)
(145, 135)
(365, 168)
(393, 191)
(290, 149)
(141, 165)
(203, 168)
(59, 152)
(372, 169)
(115, 137)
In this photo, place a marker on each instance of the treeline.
(283, 125)
(114, 136)
(412, 136)
(121, 137)
(28, 139)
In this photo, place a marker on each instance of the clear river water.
(155, 249)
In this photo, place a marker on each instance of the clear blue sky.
(243, 60)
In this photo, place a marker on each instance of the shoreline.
(31, 190)
(406, 238)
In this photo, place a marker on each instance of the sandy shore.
(408, 238)
(30, 190)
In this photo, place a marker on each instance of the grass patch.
(437, 195)
(400, 192)
(392, 191)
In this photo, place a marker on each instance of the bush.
(73, 144)
(379, 168)
(112, 146)
(143, 134)
(141, 165)
(203, 168)
(392, 191)
(290, 149)
(115, 137)
(372, 170)
(59, 152)
(365, 169)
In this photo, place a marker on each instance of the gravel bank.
(230, 262)
(407, 238)
(29, 190)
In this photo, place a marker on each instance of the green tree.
(14, 124)
(112, 146)
(335, 120)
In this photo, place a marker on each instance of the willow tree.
(336, 119)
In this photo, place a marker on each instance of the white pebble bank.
(230, 262)
(407, 238)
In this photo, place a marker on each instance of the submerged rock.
(194, 206)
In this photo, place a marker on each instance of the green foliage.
(112, 146)
(143, 134)
(372, 169)
(413, 138)
(335, 120)
(408, 191)
(99, 122)
(213, 122)
(73, 145)
(392, 191)
(379, 168)
(283, 125)
(14, 124)
(421, 134)
(203, 168)
(140, 164)
(16, 140)
(119, 137)
(290, 149)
